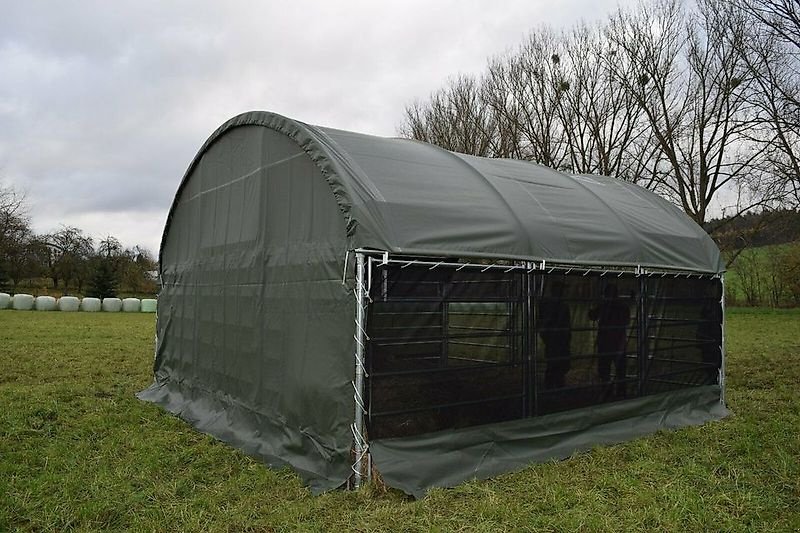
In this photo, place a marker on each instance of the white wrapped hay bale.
(131, 305)
(149, 305)
(112, 305)
(68, 303)
(23, 302)
(5, 300)
(91, 305)
(46, 303)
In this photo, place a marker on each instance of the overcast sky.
(103, 104)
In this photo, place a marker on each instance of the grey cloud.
(103, 104)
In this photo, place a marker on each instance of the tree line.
(758, 228)
(699, 102)
(766, 276)
(69, 260)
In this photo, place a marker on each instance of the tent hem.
(449, 458)
(249, 431)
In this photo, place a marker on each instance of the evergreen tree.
(104, 280)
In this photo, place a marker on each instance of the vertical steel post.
(444, 317)
(359, 442)
(525, 329)
(534, 370)
(368, 363)
(642, 335)
(722, 340)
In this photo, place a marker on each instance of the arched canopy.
(255, 323)
(409, 197)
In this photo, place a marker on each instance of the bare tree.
(781, 16)
(135, 266)
(13, 215)
(771, 50)
(454, 118)
(749, 271)
(554, 101)
(668, 96)
(505, 109)
(16, 237)
(685, 73)
(792, 272)
(601, 120)
(530, 86)
(70, 252)
(109, 247)
(24, 260)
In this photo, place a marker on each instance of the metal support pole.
(360, 444)
(525, 331)
(722, 340)
(642, 336)
(533, 302)
(444, 317)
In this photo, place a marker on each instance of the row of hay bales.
(26, 302)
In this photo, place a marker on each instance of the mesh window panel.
(586, 340)
(444, 349)
(405, 335)
(684, 333)
(451, 347)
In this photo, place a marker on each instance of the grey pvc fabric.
(255, 325)
(409, 197)
(448, 458)
(414, 198)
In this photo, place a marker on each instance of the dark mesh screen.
(453, 347)
(684, 333)
(587, 339)
(445, 349)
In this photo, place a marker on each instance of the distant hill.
(756, 229)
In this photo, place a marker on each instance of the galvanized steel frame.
(361, 465)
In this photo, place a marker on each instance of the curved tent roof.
(410, 197)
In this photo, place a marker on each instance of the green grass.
(78, 451)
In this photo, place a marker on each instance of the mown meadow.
(79, 451)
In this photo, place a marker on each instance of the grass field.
(79, 451)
